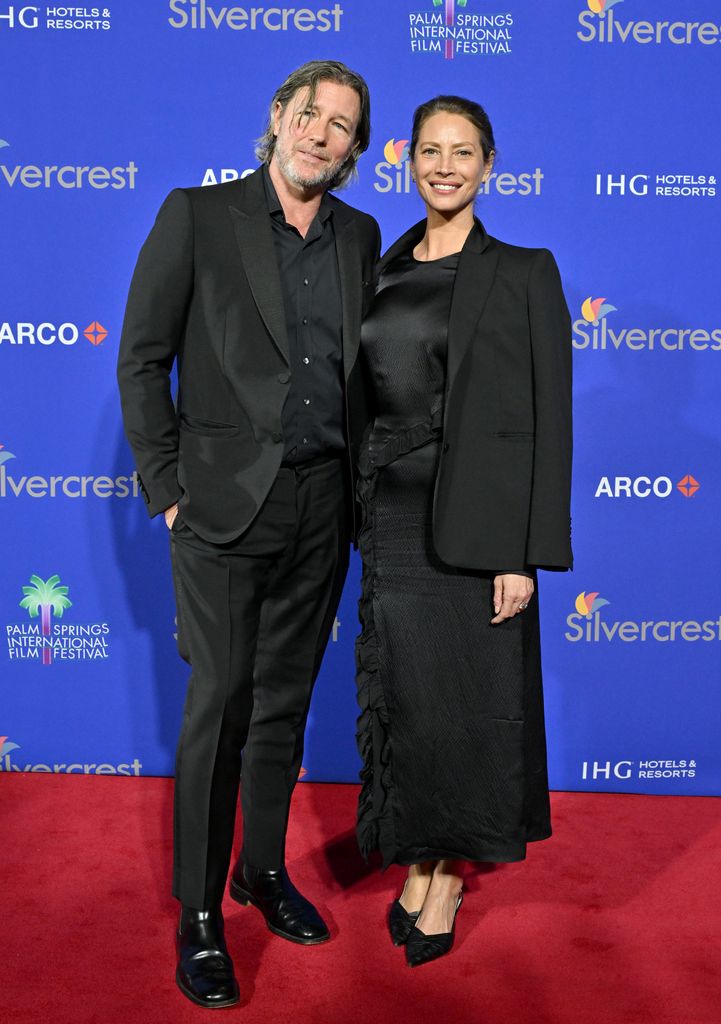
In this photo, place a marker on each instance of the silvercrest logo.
(201, 14)
(600, 24)
(64, 486)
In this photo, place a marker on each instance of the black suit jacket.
(206, 292)
(502, 495)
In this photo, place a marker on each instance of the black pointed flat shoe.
(422, 948)
(400, 922)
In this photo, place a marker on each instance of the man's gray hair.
(309, 76)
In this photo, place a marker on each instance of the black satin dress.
(451, 729)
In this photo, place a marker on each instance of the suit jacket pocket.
(515, 435)
(207, 428)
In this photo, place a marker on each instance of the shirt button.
(306, 360)
(276, 438)
(306, 282)
(305, 319)
(305, 440)
(283, 378)
(306, 401)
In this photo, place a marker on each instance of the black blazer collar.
(478, 241)
(249, 212)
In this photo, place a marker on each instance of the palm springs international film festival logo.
(445, 26)
(592, 331)
(43, 640)
(59, 485)
(587, 625)
(602, 22)
(7, 747)
(393, 174)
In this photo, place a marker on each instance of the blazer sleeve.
(153, 328)
(376, 244)
(549, 535)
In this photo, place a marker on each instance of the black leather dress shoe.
(286, 912)
(205, 970)
(401, 922)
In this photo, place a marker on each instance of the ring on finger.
(522, 607)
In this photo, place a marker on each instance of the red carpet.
(616, 920)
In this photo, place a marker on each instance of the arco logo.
(593, 310)
(644, 487)
(396, 152)
(588, 603)
(95, 333)
(688, 486)
(25, 333)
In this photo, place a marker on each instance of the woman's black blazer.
(502, 494)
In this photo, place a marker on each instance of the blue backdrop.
(607, 156)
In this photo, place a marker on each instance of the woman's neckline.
(437, 259)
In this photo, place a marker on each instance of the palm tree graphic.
(45, 597)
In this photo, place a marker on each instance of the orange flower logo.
(601, 6)
(593, 310)
(396, 152)
(588, 603)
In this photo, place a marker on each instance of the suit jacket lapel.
(408, 241)
(254, 235)
(474, 280)
(350, 272)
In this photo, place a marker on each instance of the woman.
(465, 486)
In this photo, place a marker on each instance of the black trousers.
(254, 618)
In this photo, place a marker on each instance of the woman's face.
(448, 164)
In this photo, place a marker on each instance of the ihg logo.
(20, 17)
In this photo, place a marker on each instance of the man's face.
(313, 143)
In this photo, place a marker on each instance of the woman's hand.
(170, 514)
(511, 594)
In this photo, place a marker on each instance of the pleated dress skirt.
(451, 727)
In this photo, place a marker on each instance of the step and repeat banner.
(608, 154)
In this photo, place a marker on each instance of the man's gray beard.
(325, 178)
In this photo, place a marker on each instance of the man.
(256, 287)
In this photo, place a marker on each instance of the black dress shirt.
(313, 413)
